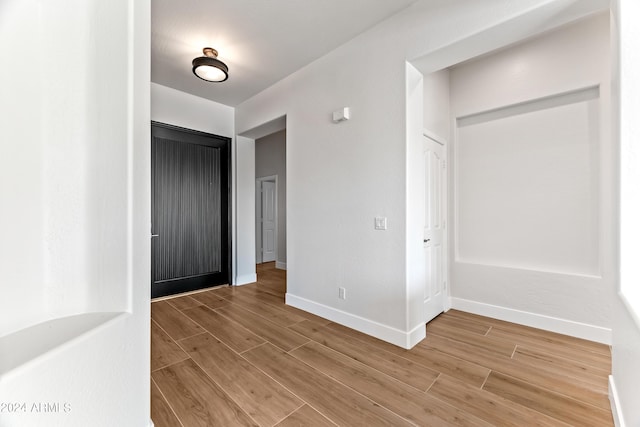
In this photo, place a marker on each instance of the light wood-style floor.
(240, 357)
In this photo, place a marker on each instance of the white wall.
(341, 176)
(533, 185)
(625, 380)
(271, 159)
(75, 187)
(192, 112)
(436, 108)
(245, 213)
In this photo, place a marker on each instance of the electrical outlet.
(342, 293)
(380, 223)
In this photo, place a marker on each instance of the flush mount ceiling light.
(209, 68)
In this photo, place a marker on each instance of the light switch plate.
(380, 223)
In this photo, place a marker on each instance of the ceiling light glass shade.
(209, 68)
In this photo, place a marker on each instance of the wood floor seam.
(156, 323)
(390, 378)
(276, 380)
(363, 391)
(249, 349)
(435, 355)
(191, 336)
(487, 350)
(433, 382)
(290, 413)
(347, 386)
(485, 380)
(301, 345)
(321, 410)
(222, 388)
(168, 366)
(564, 358)
(391, 364)
(566, 396)
(153, 384)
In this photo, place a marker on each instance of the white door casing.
(268, 221)
(434, 233)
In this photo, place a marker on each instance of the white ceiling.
(261, 41)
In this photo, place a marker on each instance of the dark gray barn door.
(190, 201)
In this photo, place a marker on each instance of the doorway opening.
(271, 182)
(191, 240)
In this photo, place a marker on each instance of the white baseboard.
(281, 265)
(151, 423)
(416, 335)
(246, 279)
(386, 333)
(618, 418)
(553, 324)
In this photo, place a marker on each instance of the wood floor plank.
(550, 381)
(393, 365)
(262, 398)
(553, 404)
(212, 298)
(279, 302)
(434, 359)
(174, 323)
(559, 339)
(273, 290)
(164, 350)
(274, 314)
(272, 300)
(183, 302)
(488, 406)
(229, 332)
(554, 364)
(475, 318)
(464, 324)
(542, 335)
(305, 417)
(403, 400)
(161, 413)
(352, 333)
(273, 285)
(196, 399)
(280, 337)
(575, 352)
(484, 342)
(332, 399)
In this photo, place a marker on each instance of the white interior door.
(268, 221)
(435, 186)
